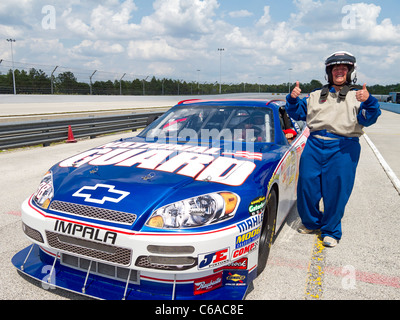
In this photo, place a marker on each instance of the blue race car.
(187, 209)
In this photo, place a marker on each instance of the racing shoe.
(329, 242)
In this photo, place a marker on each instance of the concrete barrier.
(393, 107)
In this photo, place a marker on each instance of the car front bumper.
(123, 264)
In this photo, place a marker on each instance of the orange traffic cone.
(70, 135)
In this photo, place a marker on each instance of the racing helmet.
(341, 57)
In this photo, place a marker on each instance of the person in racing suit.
(335, 115)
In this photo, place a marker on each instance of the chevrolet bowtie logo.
(101, 193)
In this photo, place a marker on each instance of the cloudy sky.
(262, 39)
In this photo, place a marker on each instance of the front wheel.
(267, 231)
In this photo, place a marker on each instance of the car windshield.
(250, 124)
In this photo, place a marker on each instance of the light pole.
(144, 80)
(290, 69)
(12, 60)
(120, 84)
(52, 80)
(220, 68)
(90, 78)
(198, 81)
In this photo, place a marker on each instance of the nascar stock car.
(187, 209)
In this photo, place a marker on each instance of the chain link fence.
(51, 79)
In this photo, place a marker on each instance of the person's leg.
(338, 175)
(309, 186)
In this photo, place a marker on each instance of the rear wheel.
(267, 231)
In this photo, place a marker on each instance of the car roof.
(233, 102)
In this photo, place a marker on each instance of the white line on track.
(390, 173)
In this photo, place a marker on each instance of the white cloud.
(368, 27)
(162, 69)
(97, 48)
(10, 32)
(94, 64)
(78, 27)
(318, 15)
(43, 46)
(110, 23)
(237, 39)
(240, 14)
(150, 50)
(181, 18)
(265, 19)
(283, 39)
(104, 22)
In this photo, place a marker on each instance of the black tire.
(267, 231)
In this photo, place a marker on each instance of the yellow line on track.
(315, 271)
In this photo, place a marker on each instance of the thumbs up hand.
(363, 94)
(296, 91)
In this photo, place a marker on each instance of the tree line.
(38, 82)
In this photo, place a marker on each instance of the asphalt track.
(364, 266)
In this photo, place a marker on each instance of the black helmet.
(341, 57)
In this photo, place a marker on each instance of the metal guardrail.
(22, 134)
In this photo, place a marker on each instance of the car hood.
(130, 176)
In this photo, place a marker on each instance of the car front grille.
(100, 268)
(32, 233)
(93, 212)
(166, 263)
(91, 249)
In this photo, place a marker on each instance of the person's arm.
(296, 108)
(369, 108)
(369, 112)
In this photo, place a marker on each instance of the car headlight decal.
(45, 192)
(195, 212)
(230, 201)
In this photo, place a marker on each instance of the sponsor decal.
(250, 223)
(288, 169)
(257, 205)
(244, 251)
(101, 193)
(248, 237)
(207, 284)
(235, 278)
(275, 177)
(213, 259)
(200, 163)
(85, 232)
(240, 264)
